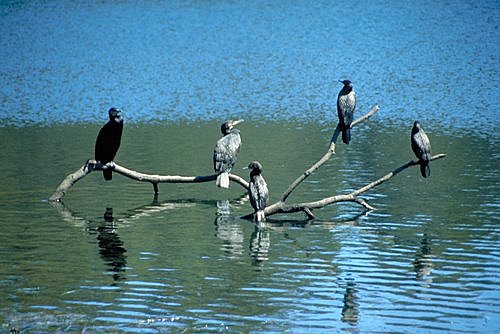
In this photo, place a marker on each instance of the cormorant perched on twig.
(421, 145)
(346, 104)
(226, 151)
(257, 191)
(109, 139)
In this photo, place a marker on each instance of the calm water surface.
(112, 259)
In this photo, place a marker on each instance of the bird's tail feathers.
(260, 216)
(108, 174)
(425, 168)
(222, 180)
(346, 136)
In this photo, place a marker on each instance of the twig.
(92, 165)
(393, 173)
(326, 156)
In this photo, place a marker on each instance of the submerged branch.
(154, 179)
(326, 156)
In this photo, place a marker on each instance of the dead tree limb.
(279, 207)
(326, 156)
(307, 207)
(154, 179)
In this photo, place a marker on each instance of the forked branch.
(279, 207)
(307, 207)
(326, 156)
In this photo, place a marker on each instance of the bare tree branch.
(326, 156)
(92, 165)
(279, 207)
(393, 173)
(306, 207)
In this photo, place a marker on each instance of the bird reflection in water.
(260, 242)
(350, 309)
(423, 260)
(111, 247)
(228, 230)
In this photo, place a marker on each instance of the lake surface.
(113, 259)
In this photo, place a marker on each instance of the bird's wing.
(102, 149)
(262, 193)
(234, 143)
(426, 145)
(264, 198)
(347, 105)
(421, 145)
(225, 152)
(253, 195)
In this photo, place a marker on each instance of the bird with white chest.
(346, 105)
(226, 152)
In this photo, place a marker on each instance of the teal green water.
(426, 260)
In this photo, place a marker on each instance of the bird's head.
(227, 126)
(115, 114)
(416, 127)
(347, 83)
(255, 167)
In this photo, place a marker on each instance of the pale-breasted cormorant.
(346, 104)
(421, 145)
(257, 191)
(226, 151)
(109, 139)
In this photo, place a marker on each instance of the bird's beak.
(341, 81)
(237, 122)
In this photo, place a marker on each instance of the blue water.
(66, 62)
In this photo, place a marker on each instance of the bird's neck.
(346, 90)
(254, 174)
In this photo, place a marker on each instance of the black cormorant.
(226, 151)
(346, 104)
(108, 140)
(257, 190)
(421, 145)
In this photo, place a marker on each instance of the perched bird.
(346, 104)
(109, 139)
(257, 191)
(226, 151)
(421, 145)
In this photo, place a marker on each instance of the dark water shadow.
(350, 306)
(111, 247)
(423, 263)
